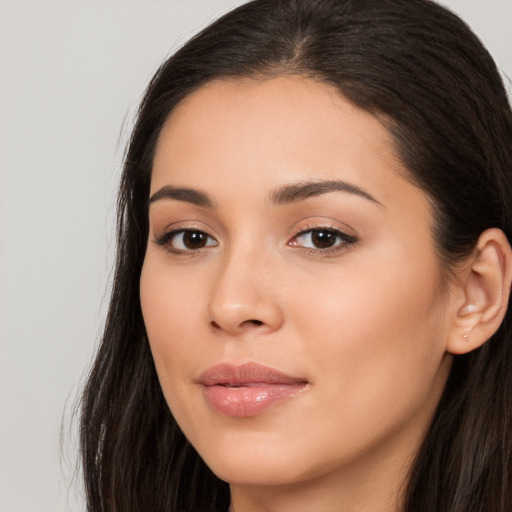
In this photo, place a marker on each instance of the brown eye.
(186, 240)
(322, 239)
(194, 239)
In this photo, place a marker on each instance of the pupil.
(194, 239)
(323, 239)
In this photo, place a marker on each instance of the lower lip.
(250, 400)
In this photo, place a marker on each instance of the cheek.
(377, 333)
(382, 299)
(170, 309)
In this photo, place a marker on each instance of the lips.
(248, 389)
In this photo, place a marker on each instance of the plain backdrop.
(71, 74)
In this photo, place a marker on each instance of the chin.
(257, 473)
(261, 462)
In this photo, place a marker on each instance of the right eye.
(186, 240)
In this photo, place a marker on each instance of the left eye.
(322, 238)
(188, 240)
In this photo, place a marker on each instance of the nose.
(244, 297)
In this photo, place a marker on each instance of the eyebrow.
(287, 194)
(188, 195)
(296, 192)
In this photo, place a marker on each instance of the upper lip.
(228, 374)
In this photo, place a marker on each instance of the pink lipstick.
(248, 389)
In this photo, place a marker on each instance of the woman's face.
(290, 288)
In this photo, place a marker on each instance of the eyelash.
(343, 240)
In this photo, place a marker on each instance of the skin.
(365, 322)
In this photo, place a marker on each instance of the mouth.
(247, 390)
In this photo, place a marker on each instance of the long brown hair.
(424, 73)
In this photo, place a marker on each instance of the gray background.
(71, 73)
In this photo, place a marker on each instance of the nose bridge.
(243, 297)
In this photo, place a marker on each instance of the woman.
(310, 302)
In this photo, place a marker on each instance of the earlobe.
(485, 287)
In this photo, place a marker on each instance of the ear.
(483, 293)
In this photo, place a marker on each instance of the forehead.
(282, 107)
(268, 132)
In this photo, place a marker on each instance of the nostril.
(216, 326)
(253, 322)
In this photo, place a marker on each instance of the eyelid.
(323, 223)
(185, 225)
